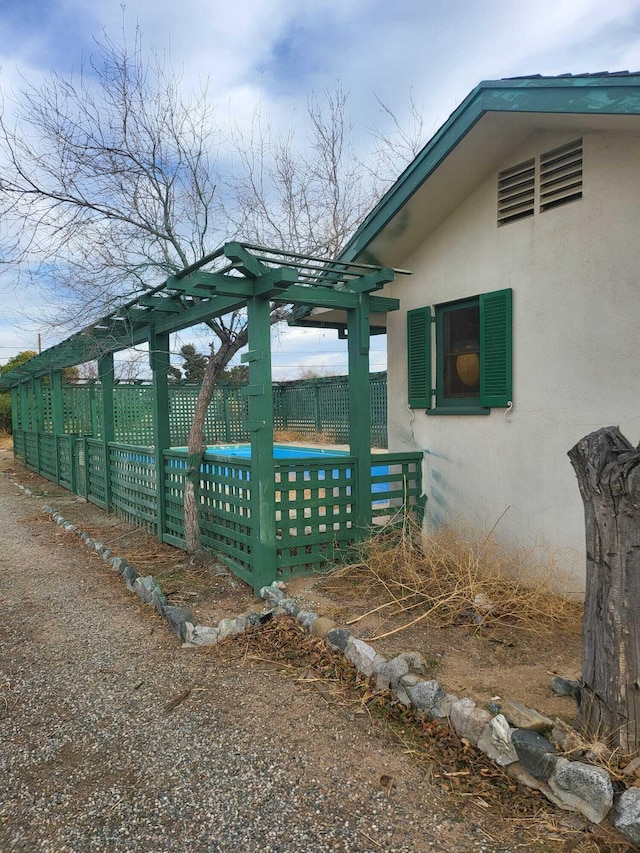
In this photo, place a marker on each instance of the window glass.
(461, 351)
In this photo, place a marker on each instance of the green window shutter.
(495, 349)
(419, 355)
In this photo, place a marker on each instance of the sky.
(279, 51)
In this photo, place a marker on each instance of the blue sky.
(278, 51)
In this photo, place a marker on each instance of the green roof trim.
(605, 94)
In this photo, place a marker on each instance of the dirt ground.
(482, 664)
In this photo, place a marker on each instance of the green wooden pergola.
(238, 276)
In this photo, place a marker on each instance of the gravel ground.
(91, 758)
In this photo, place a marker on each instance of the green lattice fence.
(225, 519)
(66, 478)
(307, 407)
(314, 511)
(77, 406)
(47, 410)
(395, 483)
(132, 414)
(95, 472)
(134, 483)
(313, 406)
(47, 456)
(19, 441)
(225, 415)
(31, 455)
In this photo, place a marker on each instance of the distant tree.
(195, 363)
(5, 396)
(237, 375)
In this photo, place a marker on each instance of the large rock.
(130, 577)
(177, 617)
(199, 635)
(536, 754)
(583, 788)
(425, 695)
(522, 717)
(337, 639)
(145, 587)
(627, 815)
(468, 720)
(361, 654)
(496, 743)
(389, 673)
(322, 625)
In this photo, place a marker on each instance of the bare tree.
(113, 182)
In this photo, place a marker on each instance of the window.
(472, 355)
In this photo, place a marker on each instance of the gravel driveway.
(91, 758)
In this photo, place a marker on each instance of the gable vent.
(561, 175)
(516, 192)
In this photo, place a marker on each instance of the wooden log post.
(608, 471)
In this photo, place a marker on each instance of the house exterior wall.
(574, 271)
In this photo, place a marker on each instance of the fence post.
(159, 361)
(259, 392)
(360, 411)
(105, 374)
(57, 414)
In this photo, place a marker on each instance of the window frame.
(426, 359)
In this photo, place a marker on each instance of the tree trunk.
(608, 472)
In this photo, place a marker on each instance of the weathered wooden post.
(608, 471)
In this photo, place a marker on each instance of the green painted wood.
(107, 433)
(496, 348)
(588, 95)
(262, 491)
(360, 411)
(419, 358)
(159, 361)
(57, 415)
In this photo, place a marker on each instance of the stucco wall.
(575, 274)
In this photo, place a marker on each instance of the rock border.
(508, 735)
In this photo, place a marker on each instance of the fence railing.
(306, 407)
(314, 497)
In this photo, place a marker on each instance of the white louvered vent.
(561, 175)
(516, 192)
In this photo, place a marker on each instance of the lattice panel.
(47, 410)
(19, 444)
(31, 459)
(314, 510)
(133, 414)
(77, 409)
(95, 473)
(47, 465)
(395, 483)
(133, 484)
(65, 446)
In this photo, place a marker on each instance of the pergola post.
(105, 375)
(260, 398)
(159, 361)
(57, 413)
(24, 407)
(36, 405)
(358, 332)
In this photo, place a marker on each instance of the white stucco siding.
(575, 275)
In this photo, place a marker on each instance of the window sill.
(459, 410)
